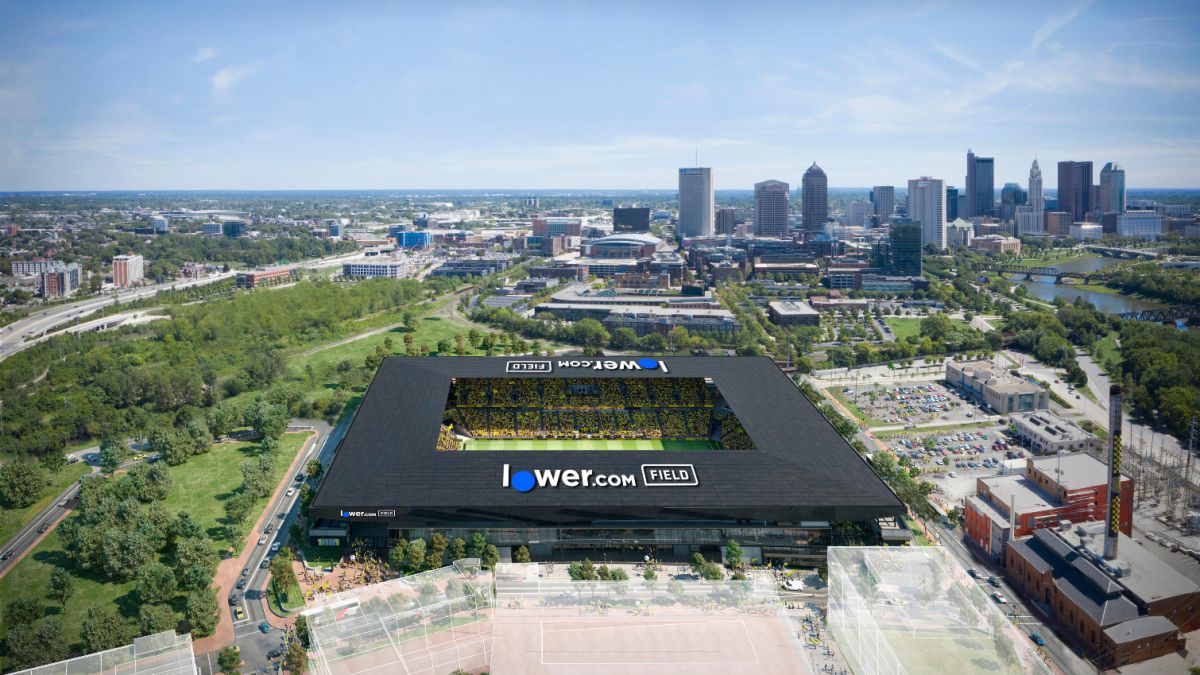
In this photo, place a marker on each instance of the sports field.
(586, 444)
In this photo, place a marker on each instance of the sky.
(610, 95)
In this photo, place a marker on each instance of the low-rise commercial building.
(469, 267)
(367, 269)
(995, 244)
(1139, 225)
(995, 388)
(256, 278)
(793, 313)
(1046, 433)
(645, 319)
(1047, 492)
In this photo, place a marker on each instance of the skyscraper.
(1011, 196)
(814, 198)
(884, 199)
(726, 220)
(951, 204)
(771, 208)
(696, 208)
(905, 249)
(927, 206)
(1036, 200)
(1075, 189)
(981, 186)
(1112, 188)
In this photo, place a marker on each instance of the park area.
(557, 444)
(200, 487)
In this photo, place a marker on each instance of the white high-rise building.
(1036, 199)
(1030, 217)
(927, 206)
(858, 213)
(696, 206)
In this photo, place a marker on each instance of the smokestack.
(1113, 528)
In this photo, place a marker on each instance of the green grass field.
(485, 444)
(202, 485)
(903, 327)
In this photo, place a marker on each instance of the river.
(1044, 288)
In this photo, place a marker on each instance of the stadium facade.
(547, 453)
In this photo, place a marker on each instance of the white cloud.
(227, 78)
(204, 54)
(1054, 23)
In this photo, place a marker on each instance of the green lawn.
(587, 444)
(287, 601)
(12, 520)
(31, 578)
(1096, 288)
(201, 486)
(1055, 258)
(321, 556)
(903, 327)
(1106, 349)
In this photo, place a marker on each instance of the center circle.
(522, 481)
(648, 363)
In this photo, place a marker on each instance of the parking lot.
(912, 404)
(953, 459)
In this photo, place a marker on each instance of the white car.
(275, 547)
(290, 492)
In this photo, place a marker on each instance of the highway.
(36, 327)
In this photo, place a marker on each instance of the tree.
(112, 453)
(156, 619)
(458, 549)
(222, 419)
(649, 574)
(268, 419)
(491, 556)
(624, 338)
(733, 555)
(124, 553)
(169, 444)
(104, 629)
(397, 554)
(675, 588)
(21, 482)
(478, 542)
(184, 527)
(314, 469)
(521, 555)
(697, 564)
(195, 563)
(296, 658)
(301, 630)
(237, 508)
(436, 550)
(230, 660)
(156, 584)
(33, 644)
(62, 586)
(153, 481)
(20, 611)
(281, 570)
(589, 333)
(416, 555)
(201, 612)
(584, 571)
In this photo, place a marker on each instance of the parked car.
(233, 599)
(241, 583)
(265, 563)
(238, 614)
(275, 547)
(264, 627)
(973, 572)
(953, 474)
(263, 539)
(290, 491)
(994, 581)
(999, 598)
(246, 571)
(299, 478)
(1037, 639)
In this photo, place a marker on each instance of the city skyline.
(542, 97)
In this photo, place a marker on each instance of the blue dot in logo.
(648, 364)
(522, 481)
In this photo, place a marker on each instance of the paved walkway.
(230, 570)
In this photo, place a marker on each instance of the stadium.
(614, 458)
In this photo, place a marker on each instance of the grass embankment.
(321, 556)
(200, 487)
(1052, 259)
(285, 601)
(12, 520)
(1106, 350)
(858, 413)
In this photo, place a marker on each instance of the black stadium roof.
(800, 470)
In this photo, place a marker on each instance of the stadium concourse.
(613, 459)
(519, 621)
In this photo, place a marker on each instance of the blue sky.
(121, 95)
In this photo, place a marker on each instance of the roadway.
(284, 510)
(24, 333)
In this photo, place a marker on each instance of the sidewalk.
(229, 571)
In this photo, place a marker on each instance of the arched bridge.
(1115, 252)
(1163, 314)
(1030, 272)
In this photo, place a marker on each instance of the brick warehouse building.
(1063, 488)
(1123, 611)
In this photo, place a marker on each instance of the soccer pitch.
(587, 444)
